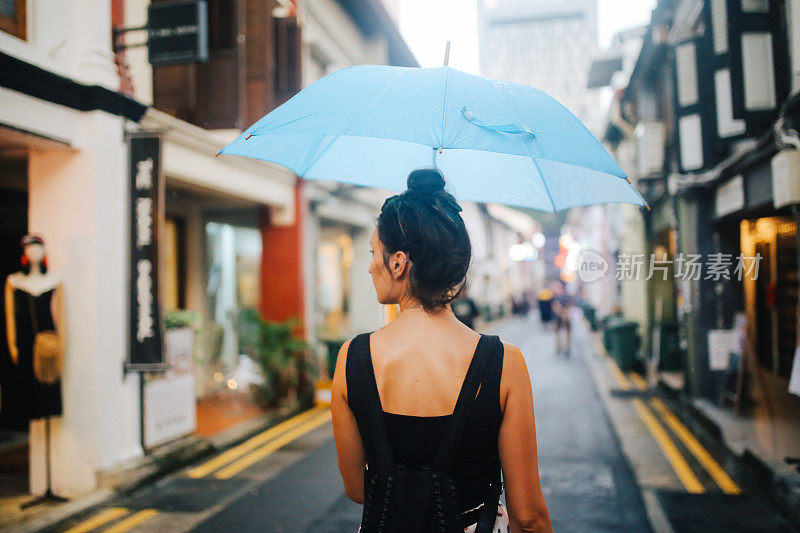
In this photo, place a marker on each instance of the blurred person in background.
(562, 306)
(545, 298)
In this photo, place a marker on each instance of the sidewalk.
(757, 443)
(136, 473)
(689, 481)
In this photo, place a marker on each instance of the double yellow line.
(226, 465)
(233, 461)
(109, 515)
(679, 464)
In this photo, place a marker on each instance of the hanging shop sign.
(146, 206)
(177, 32)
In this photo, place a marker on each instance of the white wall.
(329, 31)
(77, 202)
(62, 38)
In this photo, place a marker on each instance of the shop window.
(13, 17)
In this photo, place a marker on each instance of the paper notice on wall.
(794, 380)
(720, 344)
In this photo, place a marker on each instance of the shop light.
(218, 377)
(522, 252)
(538, 239)
(232, 384)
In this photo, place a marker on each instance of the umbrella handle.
(513, 129)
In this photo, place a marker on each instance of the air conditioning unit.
(650, 147)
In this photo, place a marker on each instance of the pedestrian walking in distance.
(427, 412)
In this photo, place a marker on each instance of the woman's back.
(420, 365)
(422, 377)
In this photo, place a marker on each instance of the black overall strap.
(371, 401)
(466, 397)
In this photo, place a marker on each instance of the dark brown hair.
(425, 223)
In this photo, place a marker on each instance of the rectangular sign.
(177, 32)
(168, 399)
(146, 188)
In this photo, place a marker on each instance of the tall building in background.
(547, 44)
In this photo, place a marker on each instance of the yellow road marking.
(103, 517)
(251, 444)
(621, 379)
(676, 460)
(260, 453)
(640, 383)
(713, 468)
(132, 521)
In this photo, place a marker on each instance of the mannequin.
(32, 305)
(33, 308)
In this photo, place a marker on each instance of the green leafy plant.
(180, 318)
(280, 355)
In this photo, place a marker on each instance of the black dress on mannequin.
(31, 315)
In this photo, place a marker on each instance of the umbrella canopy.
(494, 141)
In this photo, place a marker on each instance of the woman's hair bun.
(425, 181)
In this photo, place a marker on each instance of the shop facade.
(65, 159)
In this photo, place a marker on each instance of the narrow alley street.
(286, 478)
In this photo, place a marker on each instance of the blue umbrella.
(494, 141)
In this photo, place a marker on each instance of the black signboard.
(146, 205)
(177, 32)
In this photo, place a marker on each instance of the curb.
(653, 511)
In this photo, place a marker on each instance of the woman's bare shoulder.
(339, 373)
(515, 371)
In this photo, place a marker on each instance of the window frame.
(18, 24)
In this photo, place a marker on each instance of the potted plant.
(281, 356)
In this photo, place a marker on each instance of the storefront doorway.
(773, 295)
(13, 419)
(211, 276)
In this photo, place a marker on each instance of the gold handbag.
(46, 351)
(47, 357)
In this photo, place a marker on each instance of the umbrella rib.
(544, 181)
(320, 154)
(444, 103)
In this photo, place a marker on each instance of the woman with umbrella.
(426, 412)
(417, 363)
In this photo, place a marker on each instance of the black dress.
(415, 440)
(32, 314)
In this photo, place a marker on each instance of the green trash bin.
(624, 344)
(590, 314)
(333, 346)
(608, 324)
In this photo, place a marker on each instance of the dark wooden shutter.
(259, 60)
(287, 59)
(220, 79)
(208, 94)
